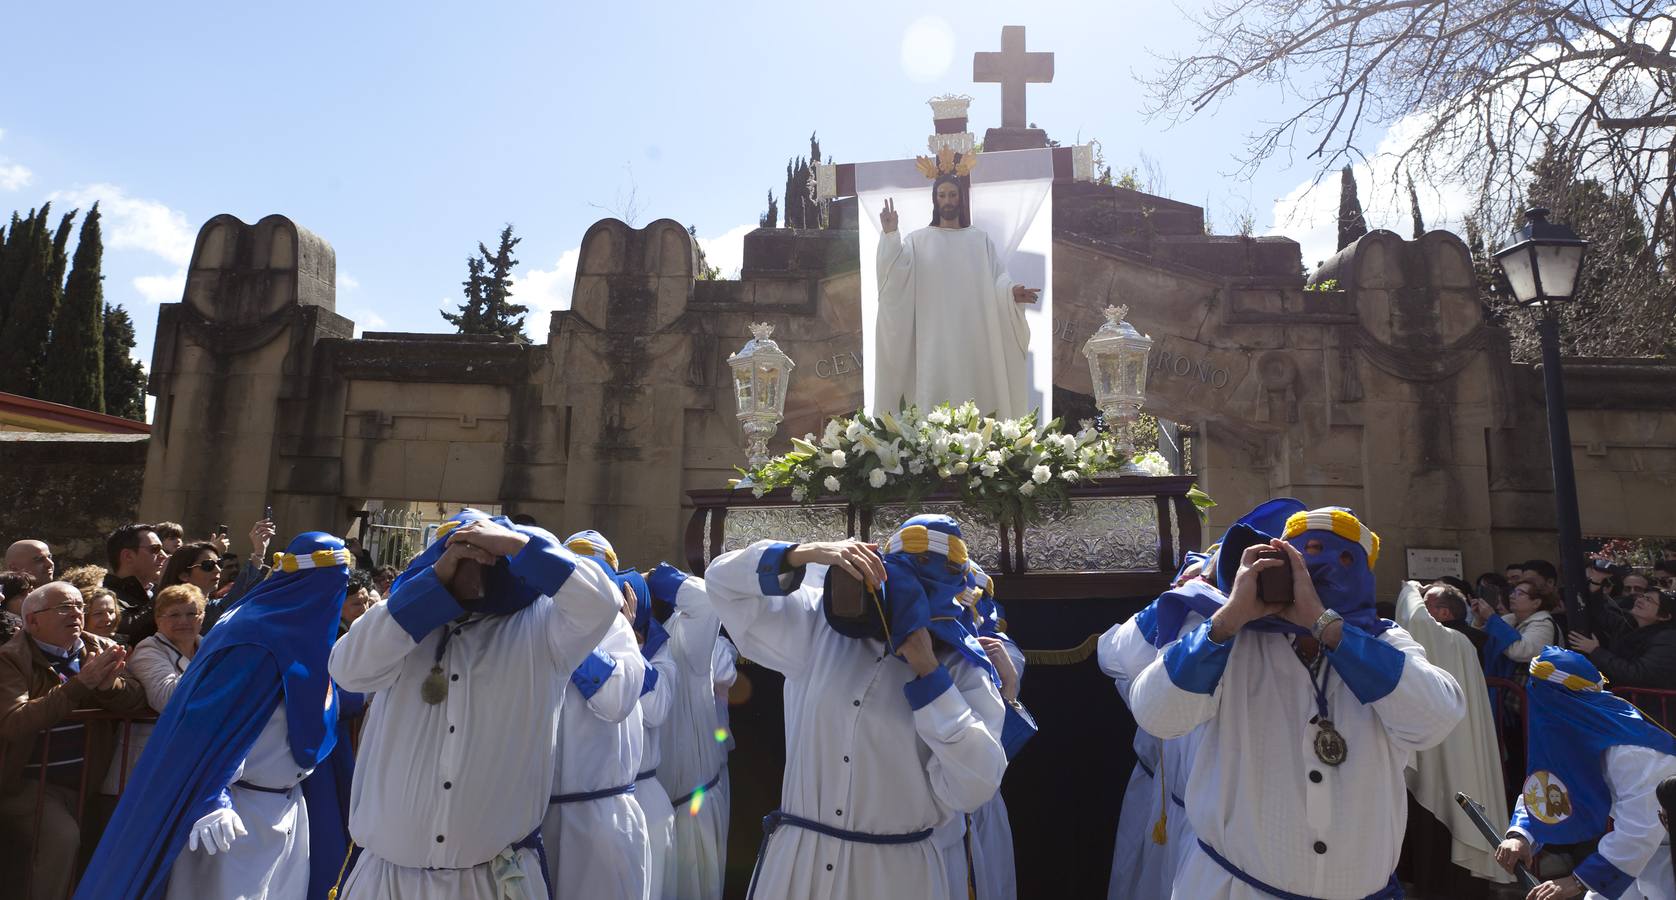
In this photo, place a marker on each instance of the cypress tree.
(770, 218)
(124, 376)
(75, 364)
(14, 258)
(34, 305)
(469, 318)
(1414, 208)
(1351, 224)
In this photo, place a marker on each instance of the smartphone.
(1274, 584)
(221, 529)
(1490, 594)
(268, 513)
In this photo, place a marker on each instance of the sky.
(405, 133)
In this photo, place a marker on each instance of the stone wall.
(70, 490)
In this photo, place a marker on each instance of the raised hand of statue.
(887, 217)
(1022, 294)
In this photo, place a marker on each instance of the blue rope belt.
(684, 798)
(772, 822)
(265, 790)
(591, 795)
(1391, 891)
(649, 773)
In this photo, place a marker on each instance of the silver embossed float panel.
(1106, 534)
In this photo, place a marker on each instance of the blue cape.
(502, 592)
(272, 649)
(1566, 796)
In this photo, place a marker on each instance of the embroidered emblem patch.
(1547, 798)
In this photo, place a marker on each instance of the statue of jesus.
(950, 326)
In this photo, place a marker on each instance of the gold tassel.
(333, 893)
(1160, 829)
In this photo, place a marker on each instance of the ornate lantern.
(1117, 363)
(760, 373)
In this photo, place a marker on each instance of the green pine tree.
(75, 365)
(29, 321)
(488, 308)
(125, 381)
(1414, 210)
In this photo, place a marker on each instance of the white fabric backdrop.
(1012, 202)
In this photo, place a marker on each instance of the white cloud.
(547, 290)
(727, 252)
(134, 223)
(1308, 214)
(14, 176)
(927, 49)
(162, 288)
(348, 282)
(364, 317)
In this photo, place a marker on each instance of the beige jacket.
(32, 700)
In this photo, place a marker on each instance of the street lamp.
(1117, 356)
(1541, 265)
(760, 373)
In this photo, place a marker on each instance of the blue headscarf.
(1341, 570)
(1574, 720)
(591, 545)
(651, 631)
(929, 584)
(294, 615)
(503, 593)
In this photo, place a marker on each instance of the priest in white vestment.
(1310, 711)
(880, 748)
(451, 789)
(950, 326)
(1468, 760)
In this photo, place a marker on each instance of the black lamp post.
(1541, 265)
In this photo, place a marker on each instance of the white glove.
(216, 831)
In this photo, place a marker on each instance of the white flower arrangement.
(1001, 467)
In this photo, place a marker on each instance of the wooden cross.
(1012, 68)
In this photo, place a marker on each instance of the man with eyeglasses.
(47, 670)
(136, 563)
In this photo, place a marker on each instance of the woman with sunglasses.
(197, 564)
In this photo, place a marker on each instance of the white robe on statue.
(443, 791)
(859, 757)
(948, 329)
(1142, 867)
(648, 790)
(271, 861)
(692, 757)
(1258, 795)
(1468, 759)
(599, 847)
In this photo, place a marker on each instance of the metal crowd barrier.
(80, 811)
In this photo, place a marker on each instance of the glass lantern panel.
(1521, 273)
(742, 388)
(771, 389)
(1559, 266)
(1134, 366)
(1110, 378)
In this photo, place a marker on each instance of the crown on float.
(946, 162)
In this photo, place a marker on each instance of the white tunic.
(271, 861)
(859, 757)
(1259, 795)
(979, 847)
(598, 847)
(1469, 759)
(948, 329)
(442, 790)
(1638, 844)
(1143, 868)
(649, 792)
(692, 757)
